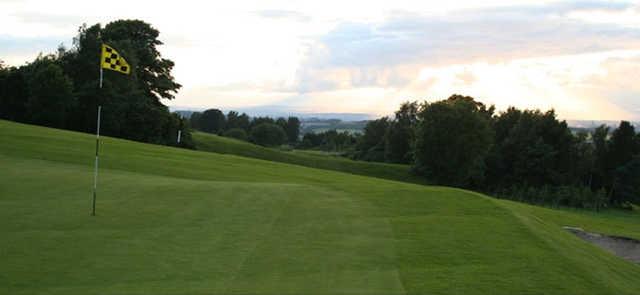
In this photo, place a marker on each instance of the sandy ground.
(624, 247)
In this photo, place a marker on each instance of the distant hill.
(592, 124)
(271, 111)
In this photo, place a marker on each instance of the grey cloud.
(488, 34)
(284, 14)
(558, 8)
(49, 19)
(444, 40)
(10, 47)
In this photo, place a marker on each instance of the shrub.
(237, 133)
(268, 134)
(556, 196)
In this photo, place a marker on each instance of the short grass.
(173, 221)
(225, 145)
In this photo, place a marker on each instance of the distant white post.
(179, 134)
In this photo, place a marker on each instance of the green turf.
(225, 145)
(174, 221)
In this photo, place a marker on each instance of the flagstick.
(95, 170)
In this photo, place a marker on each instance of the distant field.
(317, 126)
(175, 221)
(320, 130)
(225, 145)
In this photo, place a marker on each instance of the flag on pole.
(109, 59)
(112, 60)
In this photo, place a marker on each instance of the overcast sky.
(580, 57)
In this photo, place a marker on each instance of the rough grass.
(174, 221)
(224, 145)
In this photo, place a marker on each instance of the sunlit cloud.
(579, 57)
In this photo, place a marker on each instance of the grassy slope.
(614, 222)
(224, 145)
(174, 221)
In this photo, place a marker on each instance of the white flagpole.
(95, 170)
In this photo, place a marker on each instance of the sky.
(581, 58)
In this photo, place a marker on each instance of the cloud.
(393, 54)
(492, 35)
(561, 8)
(284, 15)
(59, 20)
(15, 50)
(356, 56)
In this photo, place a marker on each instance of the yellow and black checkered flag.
(112, 60)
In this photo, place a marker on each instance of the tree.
(584, 159)
(13, 94)
(621, 164)
(259, 120)
(601, 177)
(626, 188)
(530, 148)
(370, 146)
(452, 139)
(212, 121)
(311, 140)
(622, 145)
(234, 120)
(399, 136)
(131, 103)
(50, 94)
(292, 129)
(194, 120)
(268, 134)
(330, 140)
(140, 39)
(282, 122)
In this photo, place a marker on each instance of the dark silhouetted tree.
(292, 128)
(13, 94)
(399, 136)
(268, 134)
(235, 120)
(50, 94)
(370, 146)
(622, 145)
(452, 139)
(212, 121)
(194, 120)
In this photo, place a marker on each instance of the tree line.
(267, 131)
(264, 131)
(527, 155)
(61, 90)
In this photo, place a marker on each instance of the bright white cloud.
(579, 57)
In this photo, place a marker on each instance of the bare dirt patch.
(624, 247)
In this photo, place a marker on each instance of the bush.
(237, 133)
(268, 134)
(556, 196)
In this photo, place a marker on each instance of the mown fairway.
(174, 221)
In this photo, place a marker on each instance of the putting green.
(173, 221)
